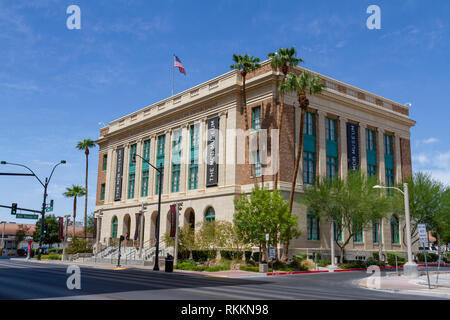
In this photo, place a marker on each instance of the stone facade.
(222, 97)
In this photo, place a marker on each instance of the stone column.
(322, 152)
(230, 154)
(222, 147)
(185, 154)
(109, 175)
(203, 130)
(126, 170)
(167, 163)
(363, 147)
(152, 171)
(343, 147)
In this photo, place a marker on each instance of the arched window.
(210, 214)
(115, 224)
(395, 234)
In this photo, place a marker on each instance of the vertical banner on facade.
(60, 228)
(352, 146)
(173, 217)
(94, 235)
(119, 174)
(212, 166)
(138, 222)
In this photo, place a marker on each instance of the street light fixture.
(45, 185)
(410, 268)
(160, 171)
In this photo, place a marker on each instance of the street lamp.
(160, 171)
(45, 185)
(410, 268)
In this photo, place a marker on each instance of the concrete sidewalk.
(405, 285)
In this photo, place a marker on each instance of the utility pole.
(3, 236)
(179, 207)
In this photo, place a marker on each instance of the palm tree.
(282, 59)
(245, 64)
(305, 83)
(85, 145)
(74, 192)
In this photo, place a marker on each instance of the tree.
(351, 203)
(74, 192)
(282, 59)
(245, 64)
(300, 85)
(264, 212)
(21, 233)
(52, 231)
(424, 198)
(85, 145)
(90, 223)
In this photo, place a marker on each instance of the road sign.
(267, 237)
(49, 209)
(422, 229)
(26, 216)
(272, 252)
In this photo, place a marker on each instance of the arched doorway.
(126, 226)
(189, 218)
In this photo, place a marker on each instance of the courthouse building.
(345, 128)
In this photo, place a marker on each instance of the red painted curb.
(293, 272)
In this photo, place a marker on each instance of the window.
(256, 118)
(102, 192)
(388, 148)
(309, 167)
(389, 161)
(377, 236)
(309, 126)
(389, 177)
(358, 237)
(313, 225)
(145, 168)
(331, 130)
(256, 163)
(176, 161)
(160, 162)
(132, 172)
(114, 228)
(371, 153)
(210, 215)
(331, 167)
(105, 161)
(193, 165)
(395, 232)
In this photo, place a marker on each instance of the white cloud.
(435, 163)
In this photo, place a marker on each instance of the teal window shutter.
(194, 154)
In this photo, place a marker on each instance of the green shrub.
(431, 257)
(249, 268)
(185, 265)
(220, 267)
(300, 256)
(446, 257)
(183, 254)
(78, 245)
(203, 255)
(231, 254)
(51, 256)
(318, 254)
(323, 263)
(255, 256)
(354, 265)
(401, 259)
(55, 250)
(376, 255)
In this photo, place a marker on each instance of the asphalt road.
(31, 280)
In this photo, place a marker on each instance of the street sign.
(272, 252)
(26, 216)
(49, 209)
(267, 237)
(423, 237)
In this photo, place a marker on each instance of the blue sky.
(56, 84)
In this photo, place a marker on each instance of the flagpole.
(173, 72)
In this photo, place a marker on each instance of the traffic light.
(45, 229)
(14, 208)
(51, 204)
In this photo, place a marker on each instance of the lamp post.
(3, 235)
(45, 185)
(410, 268)
(160, 171)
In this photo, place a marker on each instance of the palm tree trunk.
(294, 179)
(74, 216)
(280, 122)
(86, 196)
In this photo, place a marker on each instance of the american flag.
(179, 65)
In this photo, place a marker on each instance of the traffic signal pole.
(42, 219)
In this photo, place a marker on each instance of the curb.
(294, 272)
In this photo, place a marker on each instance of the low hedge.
(252, 269)
(401, 259)
(231, 254)
(203, 255)
(51, 257)
(431, 257)
(55, 250)
(323, 263)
